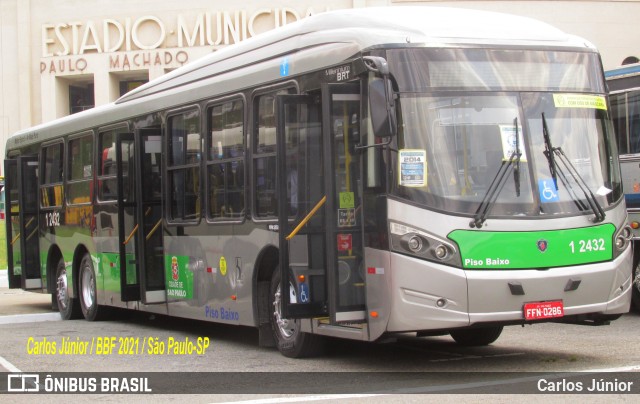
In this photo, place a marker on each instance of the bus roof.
(321, 40)
(367, 28)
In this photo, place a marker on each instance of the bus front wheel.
(476, 336)
(290, 340)
(67, 306)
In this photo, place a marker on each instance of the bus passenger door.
(149, 215)
(320, 226)
(301, 214)
(127, 218)
(342, 175)
(23, 244)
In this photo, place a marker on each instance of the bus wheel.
(476, 336)
(291, 342)
(88, 293)
(67, 306)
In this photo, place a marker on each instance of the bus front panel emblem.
(542, 245)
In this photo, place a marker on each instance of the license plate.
(542, 310)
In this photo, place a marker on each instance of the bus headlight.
(441, 252)
(419, 243)
(623, 238)
(415, 244)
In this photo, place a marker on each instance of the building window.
(81, 98)
(52, 176)
(183, 166)
(80, 170)
(129, 85)
(225, 166)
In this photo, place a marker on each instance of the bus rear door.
(127, 218)
(140, 214)
(149, 215)
(23, 244)
(320, 225)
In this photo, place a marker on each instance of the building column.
(24, 60)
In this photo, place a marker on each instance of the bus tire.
(476, 336)
(68, 307)
(291, 342)
(88, 292)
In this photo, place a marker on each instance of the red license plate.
(542, 310)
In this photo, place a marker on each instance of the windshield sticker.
(412, 168)
(579, 101)
(508, 135)
(548, 192)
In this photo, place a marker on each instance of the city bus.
(624, 95)
(358, 174)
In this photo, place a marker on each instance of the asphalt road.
(517, 360)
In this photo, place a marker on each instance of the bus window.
(633, 102)
(264, 151)
(80, 170)
(52, 158)
(225, 166)
(184, 166)
(108, 169)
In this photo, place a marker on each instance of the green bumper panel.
(534, 249)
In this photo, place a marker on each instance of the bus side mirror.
(382, 107)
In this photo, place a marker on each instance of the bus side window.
(183, 168)
(264, 155)
(225, 165)
(80, 173)
(52, 189)
(107, 169)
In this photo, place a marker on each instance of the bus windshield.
(489, 126)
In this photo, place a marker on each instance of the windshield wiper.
(516, 167)
(551, 152)
(498, 183)
(548, 152)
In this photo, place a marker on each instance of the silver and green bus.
(624, 95)
(357, 174)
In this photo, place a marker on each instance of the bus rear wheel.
(67, 306)
(476, 336)
(88, 291)
(290, 340)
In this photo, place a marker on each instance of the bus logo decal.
(174, 268)
(542, 245)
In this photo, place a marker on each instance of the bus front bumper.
(425, 296)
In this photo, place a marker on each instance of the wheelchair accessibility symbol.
(303, 293)
(547, 191)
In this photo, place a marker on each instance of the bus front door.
(320, 223)
(23, 244)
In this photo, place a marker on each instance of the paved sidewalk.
(19, 302)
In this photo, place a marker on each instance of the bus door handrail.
(306, 218)
(135, 229)
(153, 230)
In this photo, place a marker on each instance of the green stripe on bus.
(534, 249)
